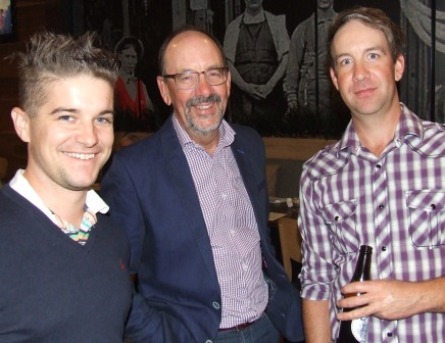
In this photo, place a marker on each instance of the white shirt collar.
(19, 183)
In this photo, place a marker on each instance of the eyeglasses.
(189, 79)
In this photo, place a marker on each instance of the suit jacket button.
(216, 305)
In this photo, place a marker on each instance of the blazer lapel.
(250, 178)
(180, 177)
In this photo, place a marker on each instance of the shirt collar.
(409, 125)
(226, 134)
(21, 185)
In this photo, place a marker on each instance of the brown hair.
(50, 56)
(374, 18)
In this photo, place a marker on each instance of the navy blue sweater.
(53, 289)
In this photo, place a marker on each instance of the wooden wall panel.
(294, 148)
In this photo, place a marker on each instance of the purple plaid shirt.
(394, 203)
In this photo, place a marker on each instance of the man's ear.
(163, 89)
(21, 123)
(333, 77)
(399, 67)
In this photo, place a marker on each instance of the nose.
(87, 135)
(360, 72)
(202, 85)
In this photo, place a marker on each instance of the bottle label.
(359, 328)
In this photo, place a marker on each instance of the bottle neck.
(363, 266)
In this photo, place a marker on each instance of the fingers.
(352, 301)
(357, 287)
(360, 312)
(385, 299)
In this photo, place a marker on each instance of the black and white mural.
(280, 86)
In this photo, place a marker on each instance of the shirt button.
(216, 305)
(381, 207)
(383, 248)
(389, 334)
(378, 166)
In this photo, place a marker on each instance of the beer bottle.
(355, 331)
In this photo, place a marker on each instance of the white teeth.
(80, 156)
(203, 107)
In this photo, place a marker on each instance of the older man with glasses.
(193, 200)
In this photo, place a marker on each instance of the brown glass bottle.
(355, 331)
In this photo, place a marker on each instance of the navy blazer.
(150, 191)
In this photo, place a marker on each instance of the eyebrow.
(374, 48)
(379, 48)
(63, 109)
(73, 110)
(194, 70)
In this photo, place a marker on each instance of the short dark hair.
(374, 18)
(177, 32)
(48, 57)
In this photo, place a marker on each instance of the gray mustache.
(197, 100)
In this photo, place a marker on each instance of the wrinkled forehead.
(357, 26)
(357, 36)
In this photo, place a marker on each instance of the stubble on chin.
(199, 129)
(192, 122)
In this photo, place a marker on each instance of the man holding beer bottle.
(381, 185)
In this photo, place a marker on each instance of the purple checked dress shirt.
(394, 203)
(231, 226)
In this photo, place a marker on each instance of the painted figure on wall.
(312, 103)
(256, 45)
(201, 15)
(229, 20)
(134, 108)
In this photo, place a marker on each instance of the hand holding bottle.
(385, 299)
(355, 330)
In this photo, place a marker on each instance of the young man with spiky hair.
(62, 263)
